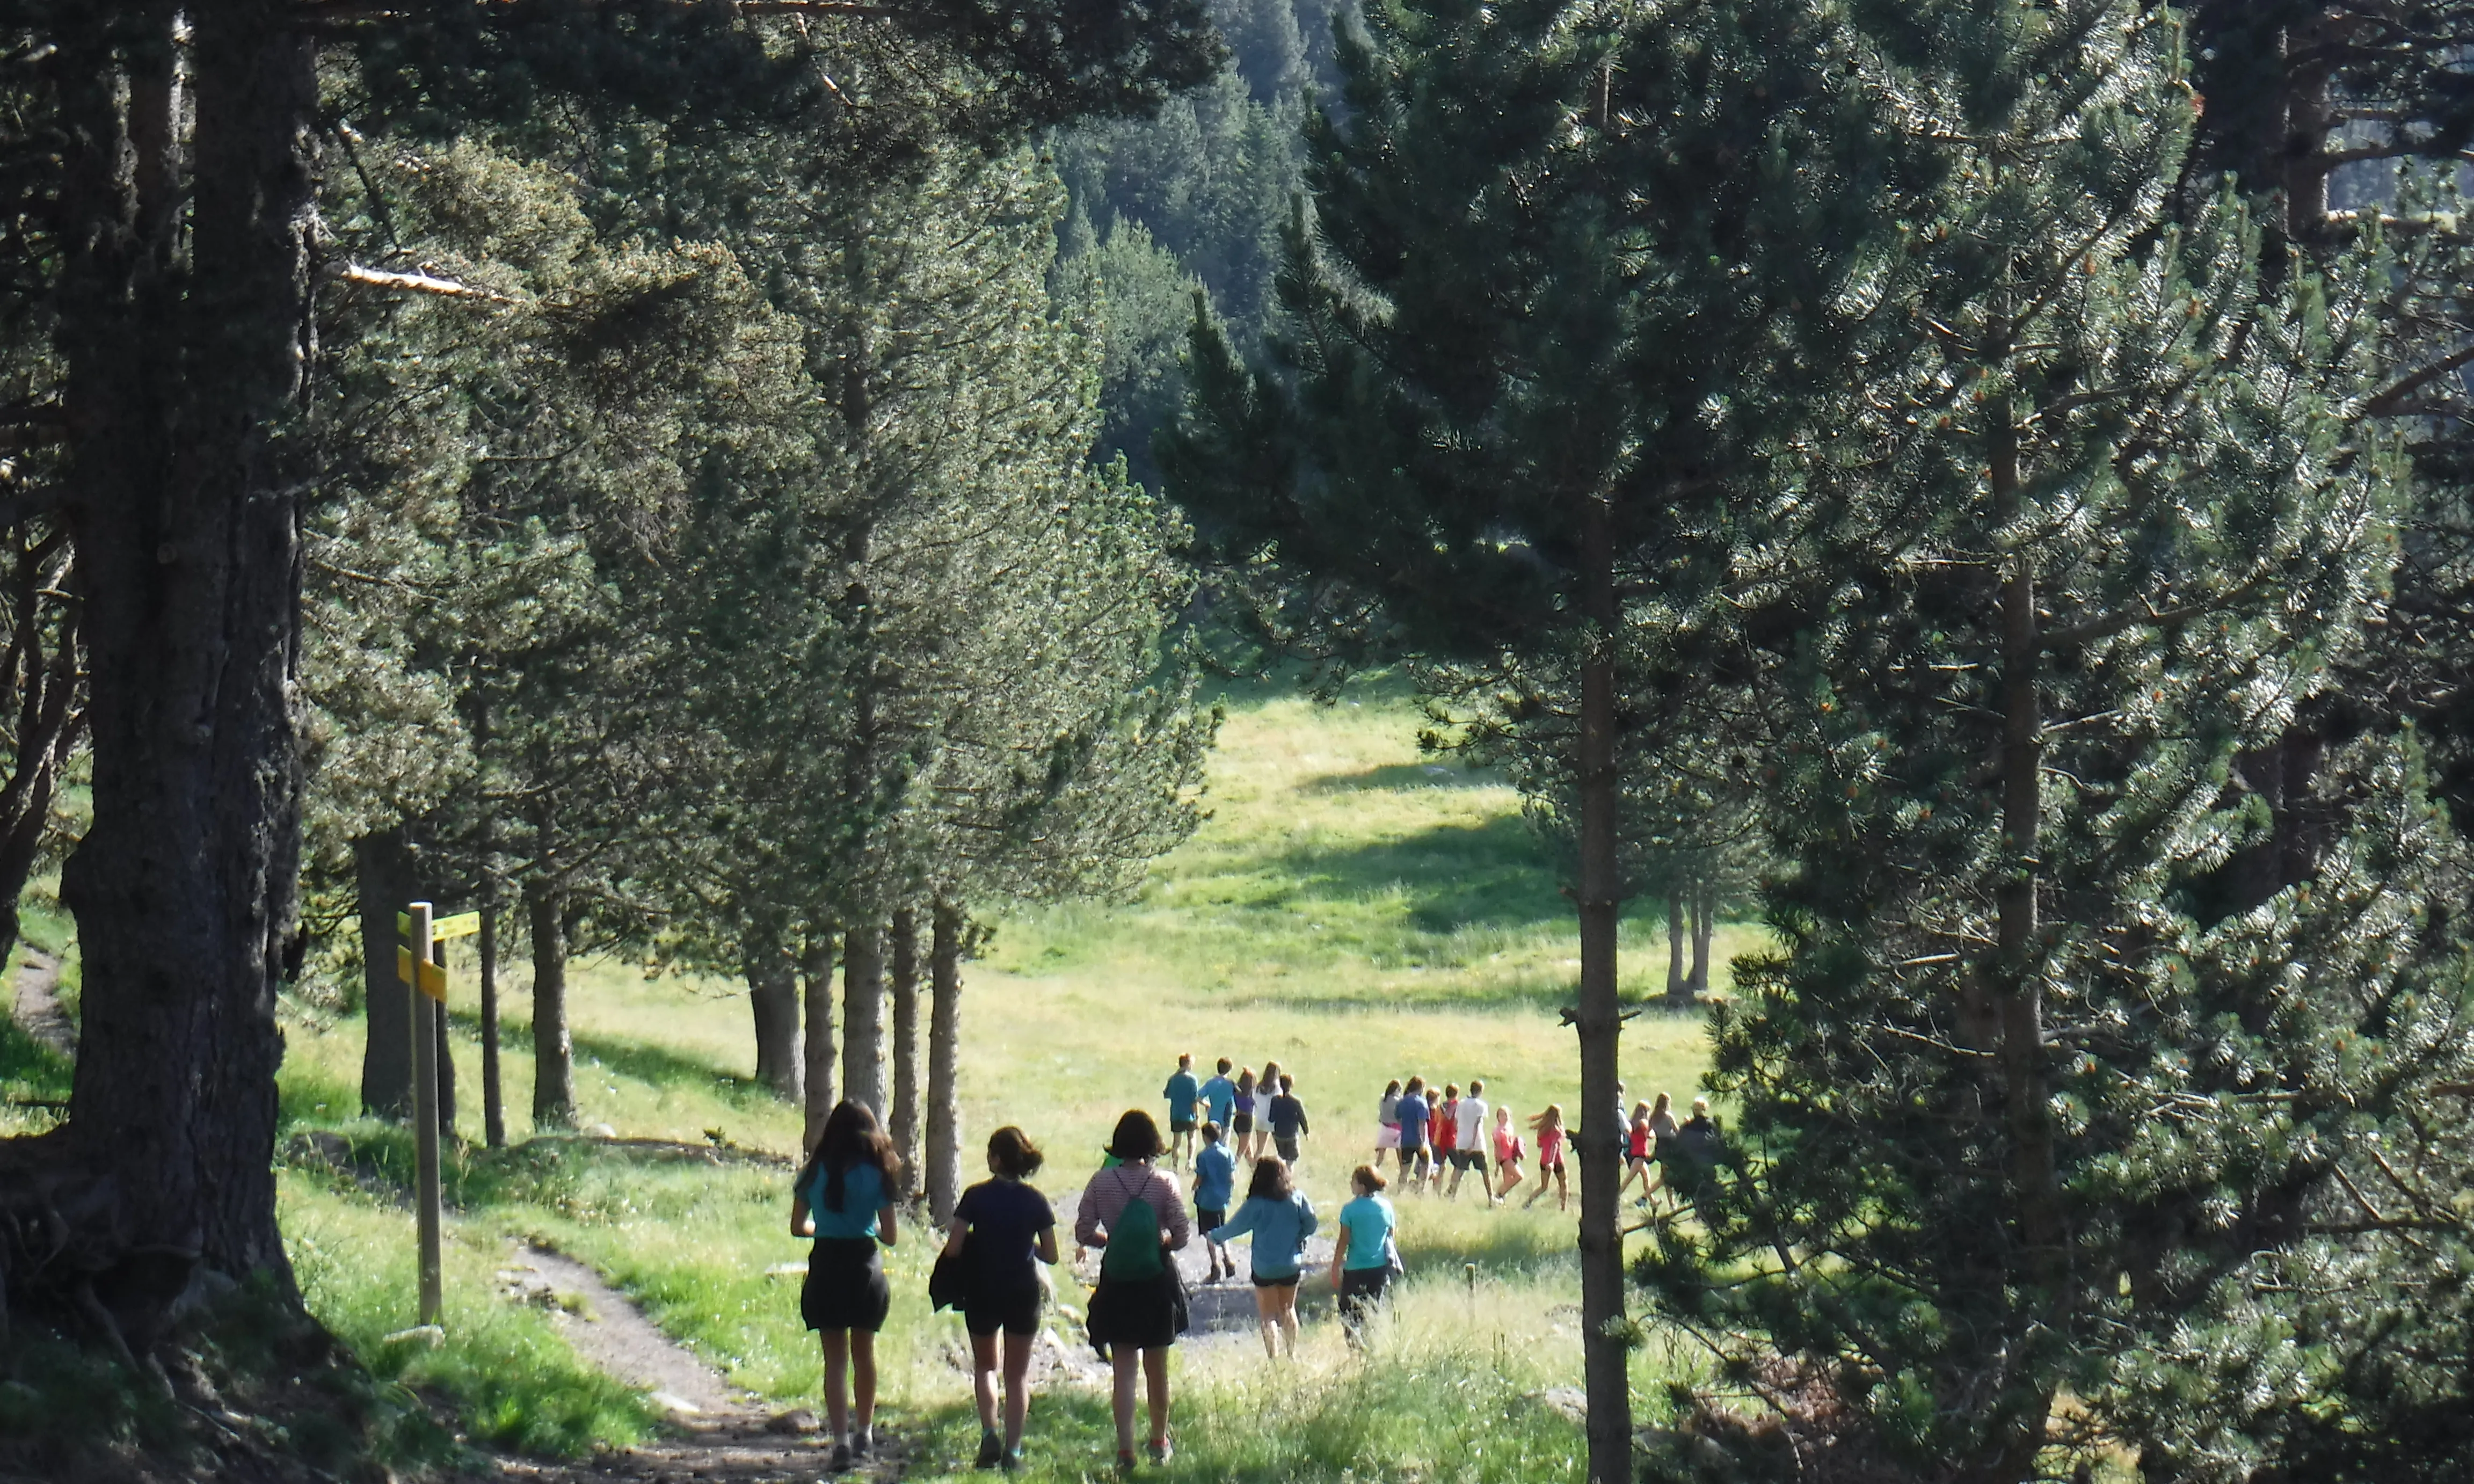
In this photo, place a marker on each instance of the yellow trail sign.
(461, 925)
(433, 976)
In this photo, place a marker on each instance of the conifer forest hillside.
(619, 618)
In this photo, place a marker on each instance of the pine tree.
(2025, 1089)
(1543, 314)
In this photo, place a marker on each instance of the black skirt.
(1142, 1314)
(845, 1287)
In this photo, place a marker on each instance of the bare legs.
(1275, 1309)
(850, 1380)
(1508, 1182)
(1153, 1364)
(1017, 1389)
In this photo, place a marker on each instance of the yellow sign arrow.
(461, 925)
(433, 976)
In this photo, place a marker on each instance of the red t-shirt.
(1447, 1132)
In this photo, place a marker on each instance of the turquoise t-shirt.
(1368, 1221)
(1280, 1228)
(1181, 1092)
(1219, 1097)
(863, 1196)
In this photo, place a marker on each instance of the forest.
(1941, 531)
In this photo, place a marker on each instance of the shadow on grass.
(1491, 875)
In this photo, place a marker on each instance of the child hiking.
(843, 1197)
(1363, 1255)
(1182, 1093)
(1002, 1230)
(1134, 1213)
(1215, 1181)
(1507, 1155)
(1279, 1218)
(1549, 1126)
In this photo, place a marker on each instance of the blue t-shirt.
(1182, 1091)
(1219, 1096)
(1214, 1177)
(1412, 1114)
(1279, 1227)
(863, 1196)
(1368, 1221)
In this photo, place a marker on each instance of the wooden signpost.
(418, 965)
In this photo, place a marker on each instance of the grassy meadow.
(1351, 909)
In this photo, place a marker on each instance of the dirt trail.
(38, 1004)
(723, 1436)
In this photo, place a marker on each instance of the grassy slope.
(1350, 909)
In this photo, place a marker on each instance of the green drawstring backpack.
(1133, 1254)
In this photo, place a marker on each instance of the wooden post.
(424, 1111)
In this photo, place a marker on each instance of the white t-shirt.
(1468, 1116)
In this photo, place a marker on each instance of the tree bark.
(188, 529)
(494, 1101)
(2016, 974)
(1606, 1353)
(1678, 990)
(773, 999)
(903, 1126)
(1704, 907)
(382, 868)
(553, 1049)
(863, 1016)
(944, 1173)
(816, 969)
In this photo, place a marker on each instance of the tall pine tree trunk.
(1678, 990)
(824, 1090)
(188, 529)
(553, 1049)
(903, 1126)
(1605, 1356)
(382, 873)
(2018, 980)
(773, 999)
(1705, 907)
(944, 1051)
(863, 1015)
(494, 1099)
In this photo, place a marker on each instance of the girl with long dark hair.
(843, 1197)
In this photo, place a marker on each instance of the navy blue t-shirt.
(1412, 1114)
(1006, 1218)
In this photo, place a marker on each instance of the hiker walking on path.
(1387, 1123)
(1507, 1155)
(1410, 1110)
(1550, 1158)
(1288, 1120)
(1242, 1121)
(1447, 1131)
(1279, 1218)
(1364, 1256)
(843, 1198)
(1135, 1214)
(1267, 1086)
(1662, 1131)
(1215, 1181)
(1002, 1230)
(1468, 1141)
(1182, 1093)
(1219, 1097)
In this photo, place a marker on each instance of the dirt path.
(38, 1004)
(723, 1436)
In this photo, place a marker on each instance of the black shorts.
(1243, 1123)
(845, 1287)
(1361, 1289)
(1287, 1147)
(1181, 1125)
(1289, 1282)
(1469, 1159)
(1015, 1312)
(1209, 1221)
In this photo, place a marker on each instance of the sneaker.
(1125, 1464)
(863, 1442)
(842, 1459)
(991, 1450)
(1012, 1461)
(1160, 1452)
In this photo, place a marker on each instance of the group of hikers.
(1425, 1130)
(1133, 1213)
(1002, 1231)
